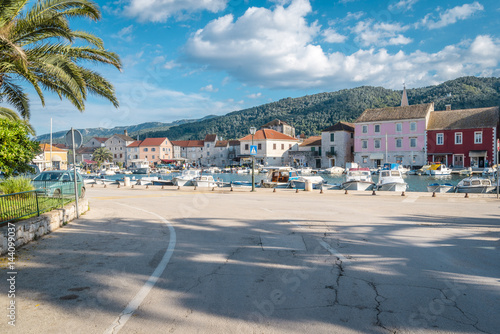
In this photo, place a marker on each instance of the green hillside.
(312, 113)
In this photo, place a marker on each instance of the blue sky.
(192, 58)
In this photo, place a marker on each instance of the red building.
(463, 138)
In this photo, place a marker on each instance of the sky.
(185, 59)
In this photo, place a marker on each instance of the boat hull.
(275, 184)
(440, 188)
(392, 186)
(205, 184)
(357, 185)
(475, 190)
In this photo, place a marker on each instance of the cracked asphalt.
(263, 262)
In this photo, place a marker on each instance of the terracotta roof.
(396, 113)
(274, 123)
(86, 150)
(61, 146)
(464, 119)
(268, 134)
(312, 141)
(100, 139)
(135, 143)
(340, 126)
(211, 137)
(123, 137)
(153, 141)
(221, 143)
(46, 148)
(234, 143)
(188, 143)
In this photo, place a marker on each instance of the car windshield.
(48, 176)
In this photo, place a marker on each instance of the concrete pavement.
(264, 262)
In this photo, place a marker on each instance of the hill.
(312, 113)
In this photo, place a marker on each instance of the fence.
(28, 203)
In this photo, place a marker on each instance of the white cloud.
(209, 88)
(380, 34)
(125, 34)
(162, 10)
(331, 36)
(402, 5)
(451, 16)
(254, 96)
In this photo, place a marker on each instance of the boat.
(475, 184)
(138, 166)
(147, 180)
(335, 170)
(391, 179)
(358, 179)
(161, 182)
(423, 170)
(438, 169)
(279, 177)
(305, 171)
(490, 170)
(205, 181)
(186, 177)
(300, 183)
(440, 187)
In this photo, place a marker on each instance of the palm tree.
(37, 46)
(102, 154)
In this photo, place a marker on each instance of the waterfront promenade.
(184, 261)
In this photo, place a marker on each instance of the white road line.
(410, 199)
(334, 252)
(132, 306)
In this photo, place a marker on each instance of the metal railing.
(27, 203)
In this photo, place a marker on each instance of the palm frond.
(15, 96)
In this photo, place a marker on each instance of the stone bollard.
(126, 181)
(132, 187)
(433, 194)
(274, 190)
(403, 194)
(374, 193)
(231, 188)
(296, 190)
(466, 195)
(346, 193)
(308, 185)
(147, 186)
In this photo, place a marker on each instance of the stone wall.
(33, 228)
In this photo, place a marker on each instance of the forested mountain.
(312, 113)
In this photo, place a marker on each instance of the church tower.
(404, 98)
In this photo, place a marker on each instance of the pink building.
(393, 134)
(151, 149)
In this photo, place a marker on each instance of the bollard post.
(374, 193)
(403, 194)
(296, 190)
(346, 192)
(466, 195)
(434, 194)
(274, 190)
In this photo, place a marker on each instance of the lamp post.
(252, 132)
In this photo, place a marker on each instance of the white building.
(307, 153)
(272, 147)
(337, 145)
(117, 145)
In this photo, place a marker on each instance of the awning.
(377, 156)
(168, 161)
(56, 158)
(478, 154)
(89, 162)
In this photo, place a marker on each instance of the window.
(274, 146)
(413, 142)
(145, 149)
(458, 138)
(377, 143)
(399, 142)
(365, 160)
(259, 146)
(365, 128)
(246, 147)
(364, 144)
(439, 138)
(413, 126)
(153, 156)
(289, 146)
(282, 146)
(208, 145)
(153, 149)
(352, 134)
(478, 137)
(332, 150)
(399, 127)
(332, 137)
(377, 128)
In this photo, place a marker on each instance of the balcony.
(331, 154)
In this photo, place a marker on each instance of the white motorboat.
(358, 179)
(186, 178)
(147, 180)
(475, 184)
(438, 169)
(335, 170)
(305, 171)
(391, 179)
(440, 187)
(205, 181)
(279, 177)
(300, 183)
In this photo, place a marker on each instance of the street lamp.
(252, 132)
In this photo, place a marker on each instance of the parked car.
(58, 182)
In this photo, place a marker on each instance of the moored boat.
(440, 187)
(300, 183)
(205, 181)
(438, 169)
(475, 184)
(186, 178)
(390, 179)
(358, 179)
(279, 177)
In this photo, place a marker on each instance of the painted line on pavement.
(334, 252)
(132, 306)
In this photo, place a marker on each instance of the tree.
(17, 150)
(102, 154)
(37, 46)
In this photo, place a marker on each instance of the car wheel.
(82, 195)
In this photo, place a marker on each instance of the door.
(458, 160)
(318, 163)
(332, 162)
(481, 162)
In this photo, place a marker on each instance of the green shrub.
(16, 185)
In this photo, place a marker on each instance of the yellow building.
(56, 158)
